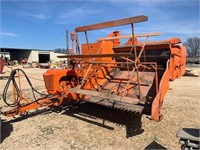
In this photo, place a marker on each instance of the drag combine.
(133, 76)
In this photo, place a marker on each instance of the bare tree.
(193, 46)
(61, 50)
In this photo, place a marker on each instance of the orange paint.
(110, 71)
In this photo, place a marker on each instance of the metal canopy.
(114, 23)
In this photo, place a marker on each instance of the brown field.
(89, 126)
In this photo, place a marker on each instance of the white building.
(32, 55)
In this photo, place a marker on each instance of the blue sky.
(42, 24)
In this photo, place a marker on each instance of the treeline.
(193, 46)
(61, 50)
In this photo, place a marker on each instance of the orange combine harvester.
(133, 76)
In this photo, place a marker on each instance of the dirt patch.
(89, 126)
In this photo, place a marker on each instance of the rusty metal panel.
(105, 95)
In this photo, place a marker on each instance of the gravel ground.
(89, 126)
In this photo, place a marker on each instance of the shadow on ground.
(90, 112)
(154, 145)
(5, 130)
